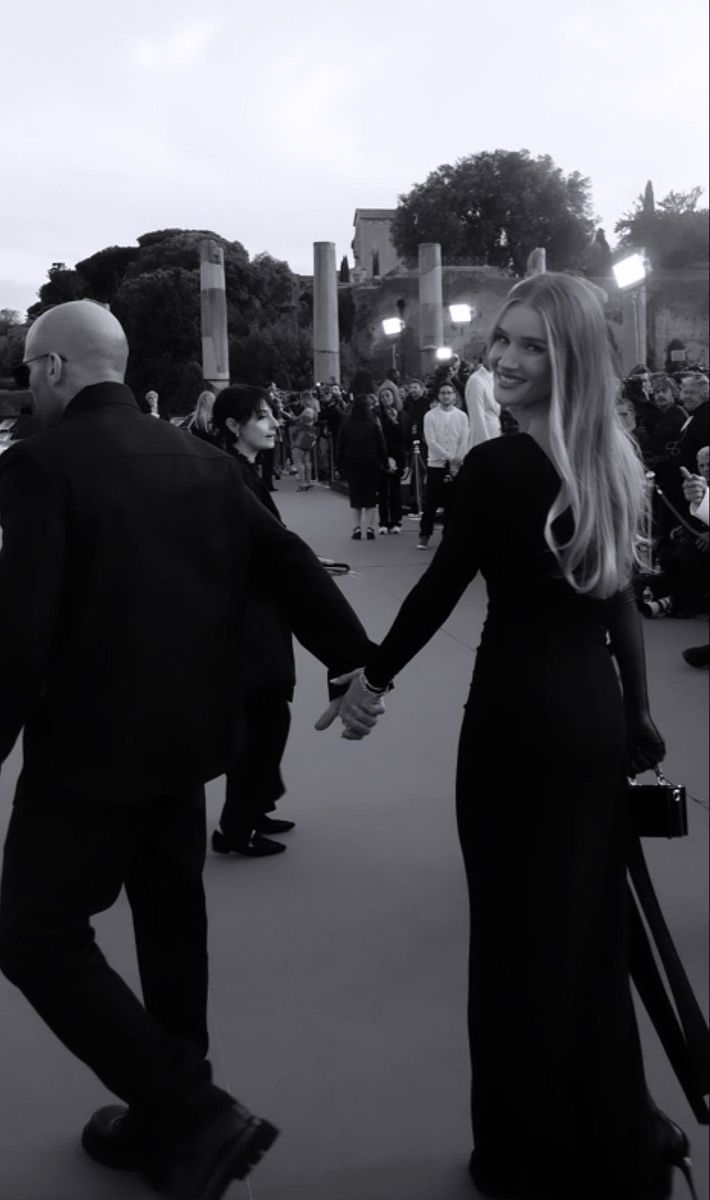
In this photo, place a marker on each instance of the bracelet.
(374, 691)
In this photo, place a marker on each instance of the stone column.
(634, 341)
(431, 305)
(213, 310)
(326, 340)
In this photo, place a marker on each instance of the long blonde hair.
(202, 417)
(603, 481)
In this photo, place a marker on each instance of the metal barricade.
(417, 474)
(646, 548)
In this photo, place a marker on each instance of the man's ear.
(55, 367)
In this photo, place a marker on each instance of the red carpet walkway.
(338, 969)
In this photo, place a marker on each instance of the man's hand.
(694, 486)
(358, 709)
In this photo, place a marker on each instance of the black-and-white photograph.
(354, 600)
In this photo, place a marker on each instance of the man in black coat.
(128, 548)
(694, 398)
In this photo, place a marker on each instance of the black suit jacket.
(128, 549)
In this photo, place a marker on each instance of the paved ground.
(338, 969)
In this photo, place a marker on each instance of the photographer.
(681, 590)
(695, 491)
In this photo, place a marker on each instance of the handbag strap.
(685, 1036)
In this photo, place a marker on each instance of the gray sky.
(271, 121)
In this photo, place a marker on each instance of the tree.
(160, 313)
(493, 208)
(12, 339)
(344, 270)
(64, 284)
(674, 233)
(154, 290)
(598, 257)
(104, 271)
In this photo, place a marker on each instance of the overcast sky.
(271, 121)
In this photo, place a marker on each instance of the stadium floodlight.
(444, 353)
(460, 314)
(630, 271)
(392, 326)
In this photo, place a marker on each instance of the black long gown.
(559, 1102)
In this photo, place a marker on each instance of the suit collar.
(100, 396)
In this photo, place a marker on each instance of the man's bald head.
(73, 346)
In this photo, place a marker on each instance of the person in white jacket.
(482, 407)
(446, 437)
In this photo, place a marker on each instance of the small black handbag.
(658, 809)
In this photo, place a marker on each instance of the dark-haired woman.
(246, 426)
(559, 1100)
(361, 455)
(390, 488)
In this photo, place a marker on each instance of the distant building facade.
(372, 246)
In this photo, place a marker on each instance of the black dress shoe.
(697, 656)
(204, 1165)
(274, 825)
(253, 847)
(110, 1138)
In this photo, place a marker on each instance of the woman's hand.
(358, 709)
(645, 747)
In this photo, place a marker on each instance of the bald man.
(128, 549)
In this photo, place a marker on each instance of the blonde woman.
(200, 421)
(551, 517)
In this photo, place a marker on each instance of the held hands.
(358, 709)
(645, 747)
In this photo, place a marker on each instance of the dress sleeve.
(475, 525)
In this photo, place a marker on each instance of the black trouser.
(437, 494)
(67, 858)
(254, 783)
(389, 495)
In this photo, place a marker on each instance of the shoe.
(110, 1138)
(203, 1166)
(697, 656)
(356, 535)
(255, 847)
(274, 825)
(423, 543)
(370, 534)
(382, 529)
(396, 529)
(675, 1152)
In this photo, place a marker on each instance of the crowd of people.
(398, 445)
(149, 594)
(668, 418)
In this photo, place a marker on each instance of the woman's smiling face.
(520, 358)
